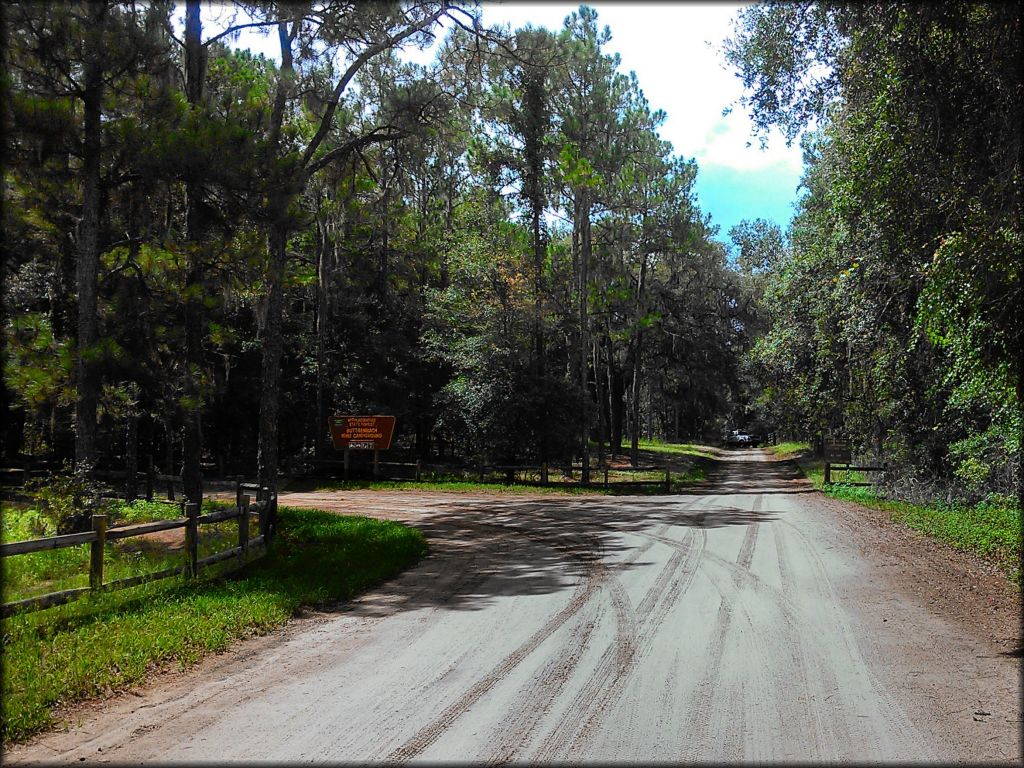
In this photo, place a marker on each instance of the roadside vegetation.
(990, 528)
(37, 573)
(559, 483)
(677, 449)
(878, 323)
(789, 450)
(100, 644)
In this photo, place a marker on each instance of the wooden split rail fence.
(145, 482)
(265, 508)
(539, 475)
(526, 474)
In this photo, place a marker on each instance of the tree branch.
(379, 134)
(332, 106)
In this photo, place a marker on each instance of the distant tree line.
(890, 315)
(207, 252)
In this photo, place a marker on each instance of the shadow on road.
(482, 550)
(745, 476)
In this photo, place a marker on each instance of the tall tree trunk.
(641, 285)
(131, 449)
(585, 250)
(87, 265)
(192, 438)
(615, 407)
(273, 343)
(320, 446)
(277, 242)
(537, 126)
(602, 402)
(634, 402)
(538, 335)
(169, 455)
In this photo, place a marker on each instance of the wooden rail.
(98, 537)
(52, 542)
(508, 473)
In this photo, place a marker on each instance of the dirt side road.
(750, 621)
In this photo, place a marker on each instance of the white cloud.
(674, 50)
(730, 143)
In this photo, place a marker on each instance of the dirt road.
(748, 621)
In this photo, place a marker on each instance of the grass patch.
(142, 511)
(110, 641)
(692, 476)
(677, 449)
(38, 573)
(991, 529)
(789, 450)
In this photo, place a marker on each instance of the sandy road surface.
(750, 621)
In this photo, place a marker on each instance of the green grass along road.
(99, 644)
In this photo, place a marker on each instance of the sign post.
(362, 433)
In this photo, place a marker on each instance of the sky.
(674, 48)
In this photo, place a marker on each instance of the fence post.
(828, 473)
(273, 516)
(99, 525)
(192, 538)
(543, 473)
(150, 479)
(668, 480)
(419, 468)
(238, 491)
(606, 476)
(243, 525)
(264, 496)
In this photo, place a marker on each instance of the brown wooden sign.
(371, 433)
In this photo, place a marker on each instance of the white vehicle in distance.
(740, 439)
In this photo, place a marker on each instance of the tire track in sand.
(595, 575)
(890, 724)
(830, 734)
(163, 714)
(605, 684)
(891, 729)
(688, 552)
(698, 725)
(536, 701)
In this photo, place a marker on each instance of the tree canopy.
(893, 313)
(209, 252)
